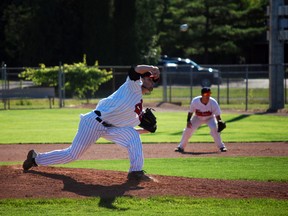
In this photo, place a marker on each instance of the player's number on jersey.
(138, 108)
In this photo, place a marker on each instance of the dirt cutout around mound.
(54, 182)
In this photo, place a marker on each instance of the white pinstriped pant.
(89, 131)
(196, 122)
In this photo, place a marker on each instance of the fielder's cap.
(205, 90)
(149, 74)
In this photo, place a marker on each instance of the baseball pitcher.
(114, 119)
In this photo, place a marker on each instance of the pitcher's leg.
(86, 135)
(129, 138)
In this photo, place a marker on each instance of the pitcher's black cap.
(149, 74)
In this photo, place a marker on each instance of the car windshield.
(179, 61)
(188, 61)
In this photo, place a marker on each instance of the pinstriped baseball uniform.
(203, 114)
(121, 110)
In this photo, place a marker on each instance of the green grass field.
(170, 206)
(60, 125)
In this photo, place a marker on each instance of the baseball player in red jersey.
(113, 119)
(205, 110)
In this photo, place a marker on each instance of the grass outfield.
(175, 206)
(60, 126)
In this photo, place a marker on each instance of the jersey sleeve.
(216, 108)
(133, 75)
(192, 105)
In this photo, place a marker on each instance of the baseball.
(184, 27)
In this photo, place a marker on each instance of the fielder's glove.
(148, 120)
(221, 126)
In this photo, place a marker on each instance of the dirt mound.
(51, 182)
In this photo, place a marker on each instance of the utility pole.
(277, 35)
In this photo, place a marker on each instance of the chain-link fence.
(231, 84)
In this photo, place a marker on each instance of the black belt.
(105, 124)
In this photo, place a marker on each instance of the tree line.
(125, 32)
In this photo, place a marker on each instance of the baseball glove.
(221, 126)
(148, 120)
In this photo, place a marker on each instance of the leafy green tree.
(148, 49)
(124, 32)
(135, 32)
(112, 31)
(81, 80)
(216, 27)
(43, 31)
(17, 19)
(97, 30)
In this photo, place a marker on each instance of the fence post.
(228, 89)
(164, 83)
(285, 84)
(63, 87)
(4, 83)
(113, 79)
(170, 90)
(191, 82)
(61, 81)
(276, 56)
(246, 77)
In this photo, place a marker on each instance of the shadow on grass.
(238, 118)
(199, 153)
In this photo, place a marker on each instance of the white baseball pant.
(89, 131)
(196, 123)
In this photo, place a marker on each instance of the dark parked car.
(182, 71)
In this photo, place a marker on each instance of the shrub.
(81, 80)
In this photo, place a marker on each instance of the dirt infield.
(51, 182)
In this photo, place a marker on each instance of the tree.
(217, 28)
(43, 31)
(147, 47)
(135, 32)
(124, 32)
(98, 31)
(82, 81)
(112, 31)
(17, 19)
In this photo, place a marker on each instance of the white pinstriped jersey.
(123, 107)
(204, 111)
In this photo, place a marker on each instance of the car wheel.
(206, 82)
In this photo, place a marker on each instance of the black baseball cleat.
(179, 149)
(223, 149)
(30, 161)
(139, 176)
